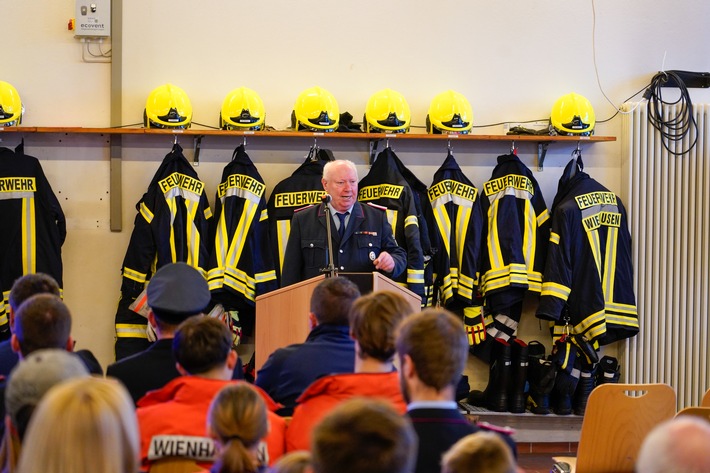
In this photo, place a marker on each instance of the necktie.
(341, 228)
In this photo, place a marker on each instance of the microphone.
(326, 198)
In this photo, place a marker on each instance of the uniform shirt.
(368, 233)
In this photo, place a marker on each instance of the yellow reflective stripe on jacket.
(29, 238)
(131, 331)
(134, 275)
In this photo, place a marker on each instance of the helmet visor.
(322, 120)
(576, 124)
(456, 122)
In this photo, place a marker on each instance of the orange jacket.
(173, 421)
(325, 393)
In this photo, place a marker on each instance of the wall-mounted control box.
(93, 19)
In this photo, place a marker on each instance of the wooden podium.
(282, 315)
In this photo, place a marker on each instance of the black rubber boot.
(495, 396)
(608, 370)
(541, 378)
(587, 382)
(516, 396)
(565, 385)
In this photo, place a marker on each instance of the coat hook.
(448, 145)
(175, 139)
(244, 143)
(512, 147)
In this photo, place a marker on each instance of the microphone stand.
(330, 270)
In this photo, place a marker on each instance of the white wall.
(511, 59)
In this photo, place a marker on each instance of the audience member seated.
(173, 418)
(373, 320)
(22, 289)
(327, 350)
(432, 348)
(364, 435)
(479, 452)
(238, 423)
(30, 380)
(175, 292)
(84, 425)
(679, 445)
(299, 461)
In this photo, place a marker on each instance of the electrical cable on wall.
(672, 129)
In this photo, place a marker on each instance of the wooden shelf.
(302, 134)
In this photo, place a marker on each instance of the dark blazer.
(438, 430)
(368, 233)
(290, 370)
(151, 369)
(9, 359)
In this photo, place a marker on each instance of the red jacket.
(173, 421)
(324, 394)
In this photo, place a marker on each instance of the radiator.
(668, 201)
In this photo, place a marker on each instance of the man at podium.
(362, 238)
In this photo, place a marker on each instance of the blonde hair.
(82, 426)
(238, 419)
(482, 451)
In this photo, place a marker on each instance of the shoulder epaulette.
(303, 208)
(381, 207)
(496, 428)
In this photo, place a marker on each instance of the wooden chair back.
(174, 465)
(617, 419)
(699, 411)
(706, 399)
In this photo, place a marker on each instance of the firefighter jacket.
(34, 227)
(173, 421)
(385, 186)
(425, 219)
(589, 272)
(172, 225)
(368, 234)
(457, 233)
(241, 264)
(518, 228)
(325, 393)
(302, 188)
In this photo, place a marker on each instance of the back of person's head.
(363, 435)
(436, 342)
(479, 452)
(83, 425)
(299, 461)
(33, 377)
(331, 300)
(42, 321)
(30, 284)
(201, 344)
(238, 420)
(373, 320)
(679, 445)
(177, 291)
